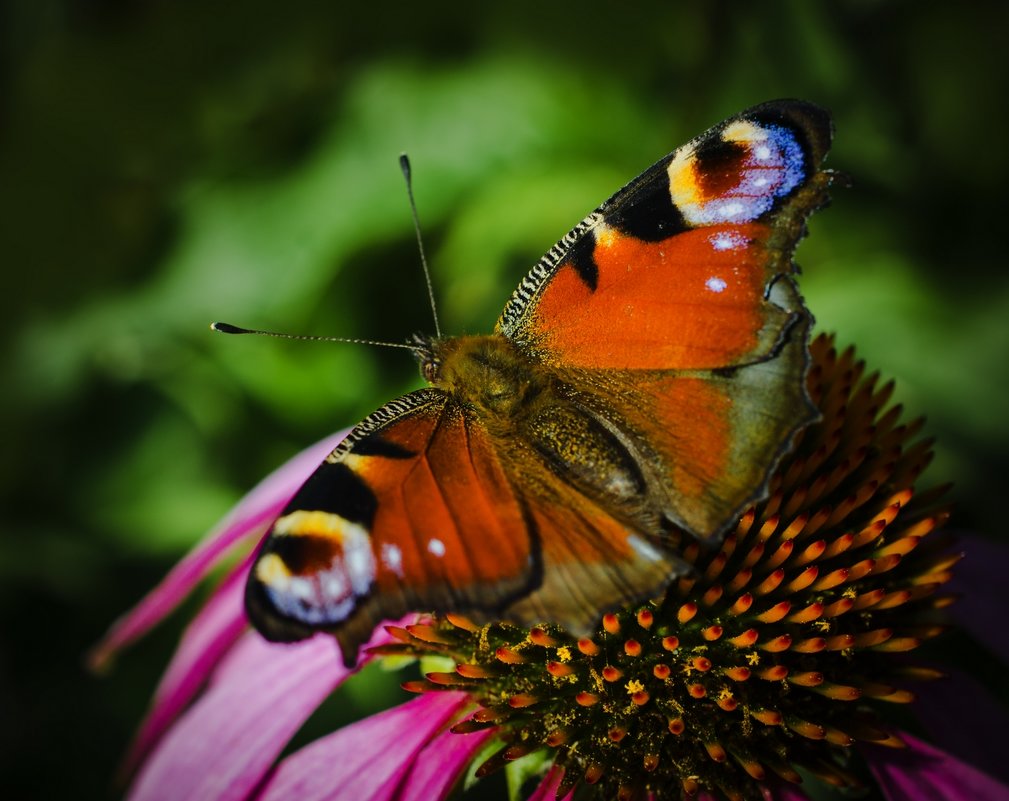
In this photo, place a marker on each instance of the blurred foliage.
(165, 164)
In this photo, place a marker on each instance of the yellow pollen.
(688, 668)
(634, 686)
(823, 625)
(725, 694)
(753, 658)
(564, 654)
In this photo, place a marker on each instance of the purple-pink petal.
(206, 640)
(984, 604)
(547, 789)
(250, 517)
(441, 764)
(923, 773)
(260, 695)
(368, 759)
(962, 717)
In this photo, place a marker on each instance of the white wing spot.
(762, 152)
(644, 548)
(715, 284)
(436, 547)
(727, 240)
(392, 558)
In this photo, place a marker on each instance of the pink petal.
(251, 516)
(440, 764)
(368, 759)
(923, 773)
(207, 638)
(261, 694)
(547, 789)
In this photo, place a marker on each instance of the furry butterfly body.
(640, 386)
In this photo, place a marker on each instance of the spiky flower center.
(771, 658)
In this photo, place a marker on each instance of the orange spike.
(741, 604)
(645, 618)
(838, 737)
(737, 673)
(593, 773)
(671, 643)
(740, 580)
(427, 633)
(715, 751)
(686, 612)
(640, 698)
(632, 648)
(452, 679)
(612, 674)
(399, 633)
(811, 645)
(696, 690)
(676, 726)
(650, 762)
(773, 673)
(886, 563)
(539, 637)
(867, 639)
(795, 527)
(861, 569)
(870, 533)
(754, 554)
(806, 729)
(775, 613)
(903, 546)
(839, 607)
(897, 645)
(807, 615)
(461, 622)
(611, 623)
(868, 599)
(517, 751)
(812, 552)
(832, 579)
(840, 641)
(712, 595)
(727, 702)
(767, 717)
(556, 737)
(474, 671)
(559, 670)
(509, 656)
(770, 524)
(416, 686)
(701, 663)
(779, 644)
(770, 583)
(715, 566)
(587, 647)
(839, 546)
(522, 700)
(661, 671)
(586, 699)
(807, 678)
(712, 633)
(803, 580)
(746, 639)
(780, 555)
(839, 692)
(616, 734)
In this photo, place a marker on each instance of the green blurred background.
(165, 164)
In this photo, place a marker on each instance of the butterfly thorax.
(485, 373)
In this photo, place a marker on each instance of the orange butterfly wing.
(415, 511)
(672, 310)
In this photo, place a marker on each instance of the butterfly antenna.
(228, 328)
(404, 165)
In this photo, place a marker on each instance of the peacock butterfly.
(642, 383)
